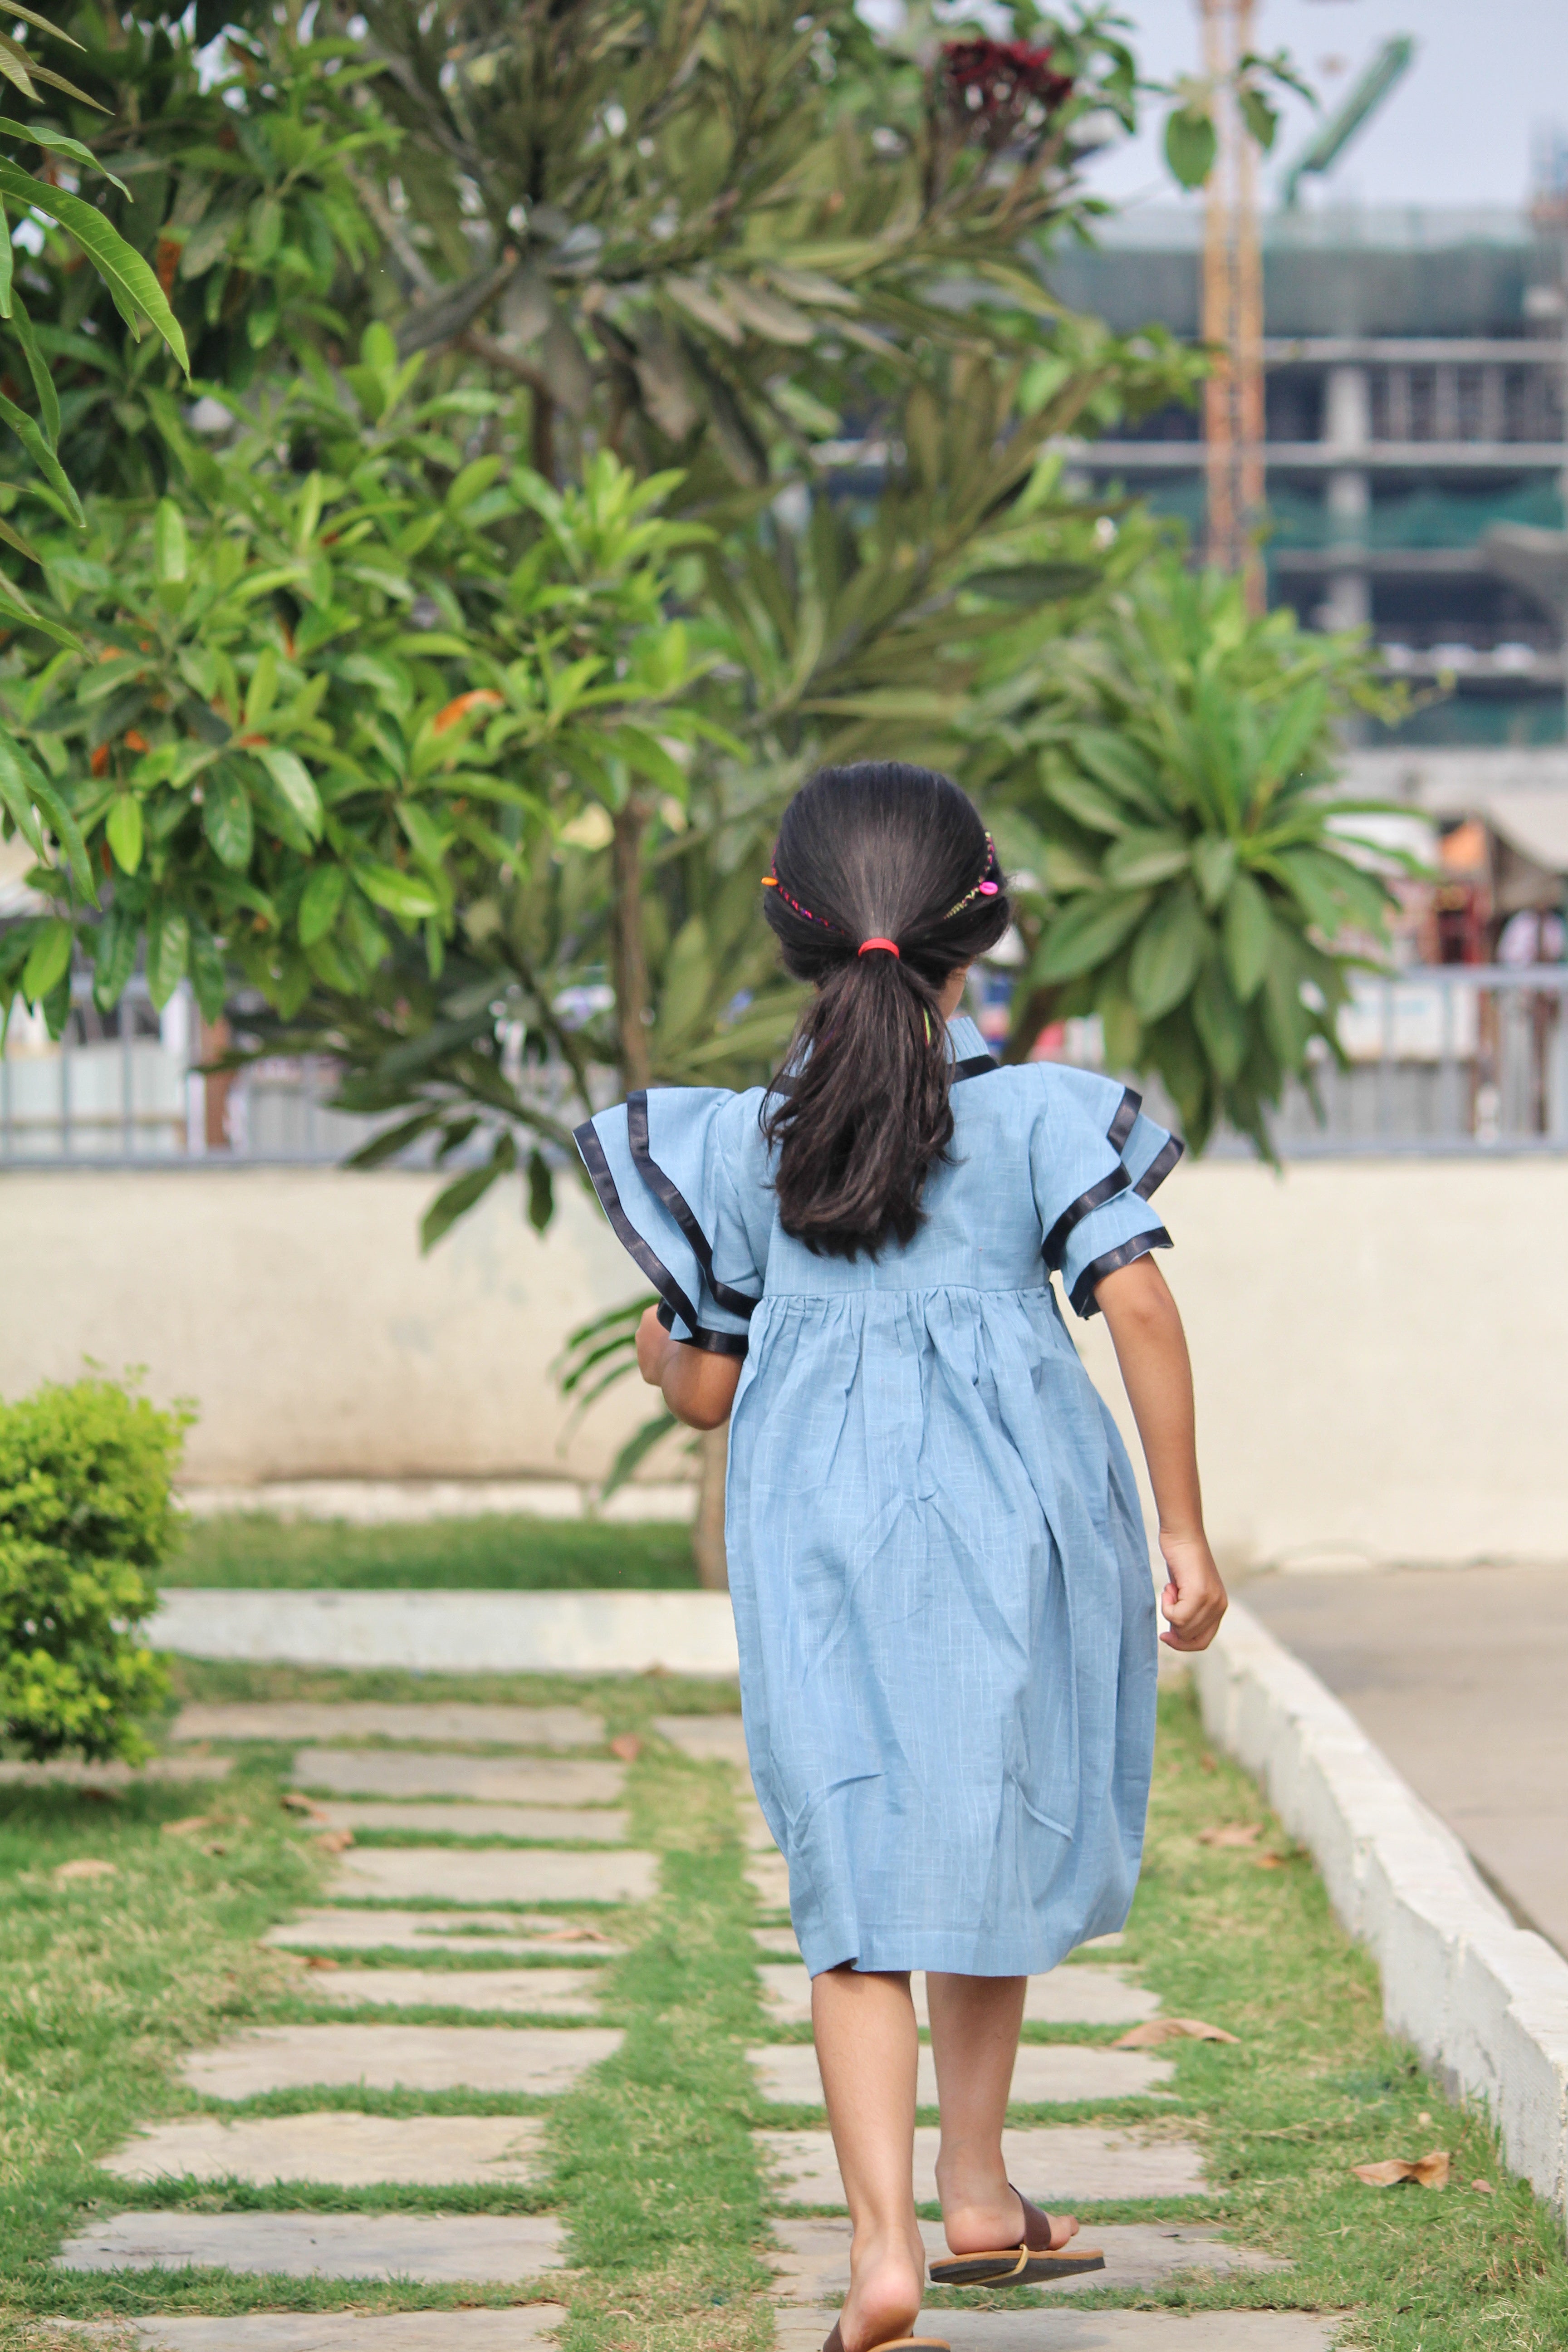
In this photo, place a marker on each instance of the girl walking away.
(941, 1590)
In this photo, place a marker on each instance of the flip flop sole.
(1004, 2268)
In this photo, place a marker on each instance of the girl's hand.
(654, 1347)
(1194, 1601)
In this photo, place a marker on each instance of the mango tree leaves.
(1167, 954)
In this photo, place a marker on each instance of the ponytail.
(884, 883)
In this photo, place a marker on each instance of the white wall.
(1381, 1347)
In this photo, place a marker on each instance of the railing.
(1450, 1058)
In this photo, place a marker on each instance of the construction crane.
(1391, 64)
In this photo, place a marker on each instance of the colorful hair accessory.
(986, 887)
(866, 947)
(772, 882)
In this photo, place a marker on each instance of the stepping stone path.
(533, 1824)
(1067, 1996)
(60, 1773)
(425, 1787)
(506, 1934)
(1045, 2071)
(509, 2330)
(1067, 2164)
(814, 2265)
(346, 2150)
(539, 1992)
(1092, 2331)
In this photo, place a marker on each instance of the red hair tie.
(866, 946)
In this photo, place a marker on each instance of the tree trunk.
(629, 952)
(708, 1534)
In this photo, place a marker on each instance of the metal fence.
(1453, 1058)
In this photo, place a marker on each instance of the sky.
(1489, 77)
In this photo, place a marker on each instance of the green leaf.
(407, 896)
(292, 778)
(124, 832)
(49, 959)
(319, 905)
(1168, 954)
(541, 1191)
(226, 818)
(1191, 145)
(1247, 930)
(168, 953)
(66, 830)
(7, 264)
(43, 456)
(56, 141)
(263, 689)
(171, 554)
(461, 1195)
(1260, 117)
(114, 955)
(18, 779)
(640, 1444)
(1214, 863)
(1220, 1021)
(1034, 583)
(131, 282)
(38, 369)
(57, 32)
(1141, 857)
(1088, 934)
(1085, 802)
(208, 977)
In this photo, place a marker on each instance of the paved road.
(1461, 1677)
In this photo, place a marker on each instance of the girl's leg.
(974, 2024)
(867, 2047)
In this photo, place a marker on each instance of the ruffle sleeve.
(661, 1163)
(1096, 1161)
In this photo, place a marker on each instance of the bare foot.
(987, 2227)
(886, 2276)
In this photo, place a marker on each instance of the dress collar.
(964, 1040)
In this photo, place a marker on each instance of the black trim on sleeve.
(1083, 1299)
(712, 1343)
(1095, 1197)
(664, 1190)
(724, 1343)
(1159, 1168)
(1126, 1119)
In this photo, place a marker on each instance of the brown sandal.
(893, 2343)
(1028, 2263)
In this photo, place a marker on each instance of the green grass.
(253, 1550)
(102, 1986)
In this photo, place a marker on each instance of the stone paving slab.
(812, 2265)
(1099, 1996)
(448, 1874)
(1092, 2331)
(536, 1823)
(755, 1834)
(787, 2074)
(459, 1934)
(543, 1992)
(706, 1738)
(768, 1876)
(61, 1773)
(507, 2330)
(778, 1942)
(488, 1780)
(538, 2059)
(340, 2149)
(461, 1719)
(435, 2248)
(1064, 2164)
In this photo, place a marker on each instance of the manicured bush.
(85, 1520)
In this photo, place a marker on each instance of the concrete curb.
(1484, 2002)
(455, 1632)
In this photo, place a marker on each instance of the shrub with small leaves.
(86, 1519)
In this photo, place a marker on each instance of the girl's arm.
(1152, 1350)
(699, 1387)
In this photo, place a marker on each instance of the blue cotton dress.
(942, 1587)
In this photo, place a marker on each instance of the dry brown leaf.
(1483, 2188)
(1269, 1861)
(1231, 1833)
(295, 1803)
(626, 1746)
(335, 1840)
(87, 1867)
(100, 1796)
(190, 1825)
(576, 1936)
(1425, 2172)
(1207, 1763)
(1171, 2029)
(320, 1961)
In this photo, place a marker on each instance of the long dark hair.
(882, 852)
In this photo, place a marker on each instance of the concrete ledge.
(1484, 2002)
(455, 1632)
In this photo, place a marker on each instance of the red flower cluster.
(999, 79)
